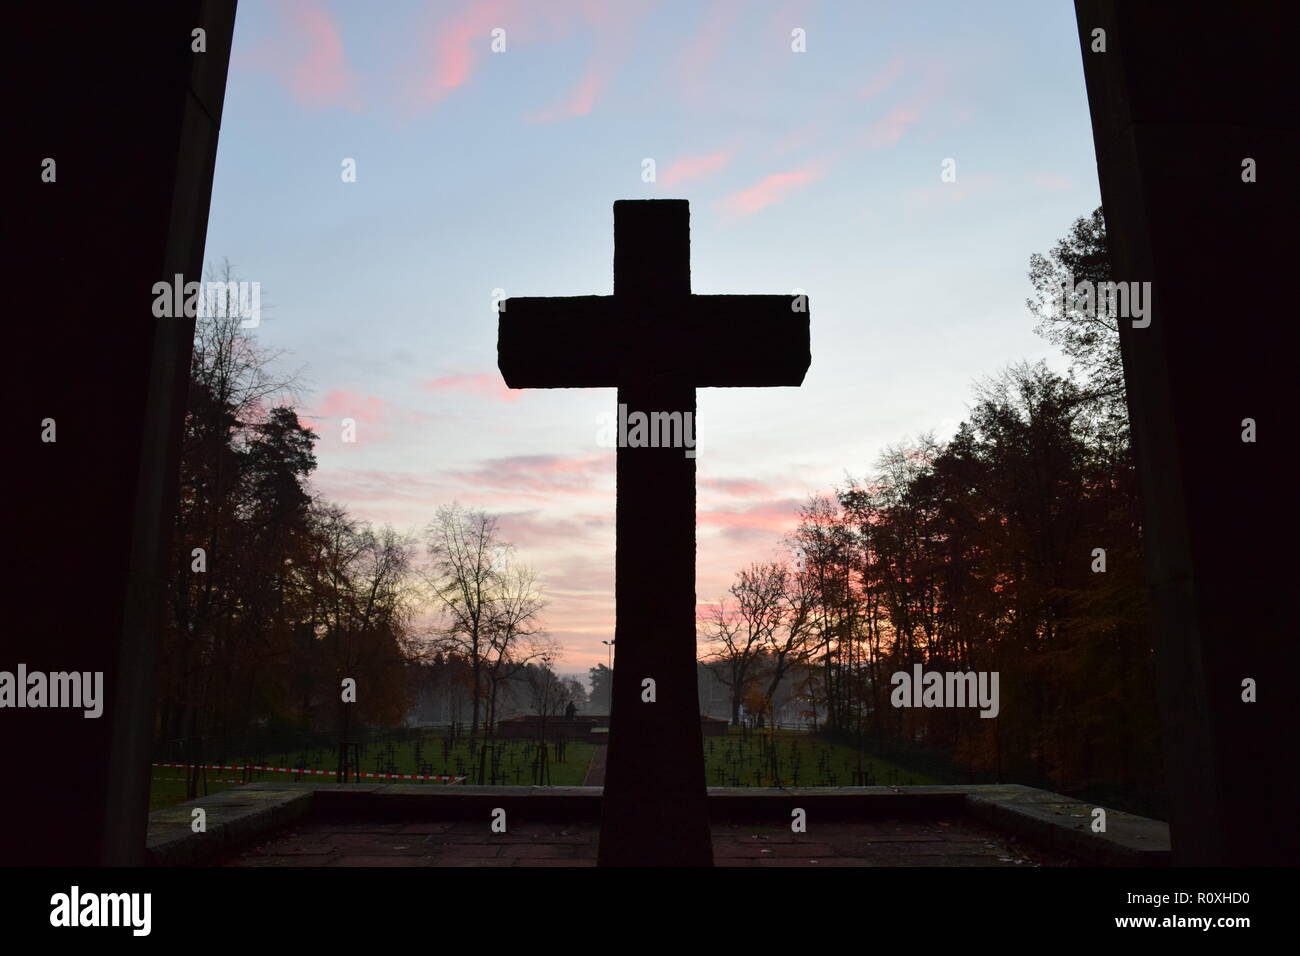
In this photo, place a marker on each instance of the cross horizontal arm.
(749, 340)
(707, 341)
(557, 342)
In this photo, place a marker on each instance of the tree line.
(275, 596)
(1014, 546)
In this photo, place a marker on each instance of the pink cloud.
(795, 13)
(586, 579)
(610, 26)
(891, 128)
(365, 411)
(342, 403)
(770, 518)
(487, 385)
(694, 167)
(735, 487)
(539, 528)
(359, 486)
(578, 103)
(799, 137)
(454, 48)
(321, 77)
(771, 189)
(707, 612)
(703, 50)
(362, 434)
(883, 80)
(540, 477)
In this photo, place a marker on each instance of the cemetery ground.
(428, 752)
(860, 810)
(793, 758)
(743, 758)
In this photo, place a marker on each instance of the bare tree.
(550, 692)
(790, 644)
(490, 605)
(514, 635)
(550, 695)
(738, 637)
(227, 363)
(467, 559)
(825, 553)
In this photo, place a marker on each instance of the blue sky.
(479, 170)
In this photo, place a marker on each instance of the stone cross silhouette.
(656, 343)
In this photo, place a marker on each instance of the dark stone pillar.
(130, 115)
(1180, 98)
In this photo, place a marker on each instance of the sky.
(480, 173)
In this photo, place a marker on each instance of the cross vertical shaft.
(655, 808)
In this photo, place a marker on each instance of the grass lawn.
(802, 760)
(734, 760)
(513, 765)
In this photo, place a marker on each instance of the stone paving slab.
(877, 826)
(956, 842)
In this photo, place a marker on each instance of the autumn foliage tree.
(274, 596)
(1014, 546)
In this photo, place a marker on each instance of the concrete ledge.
(234, 817)
(1052, 820)
(1049, 820)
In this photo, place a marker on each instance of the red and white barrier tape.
(325, 773)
